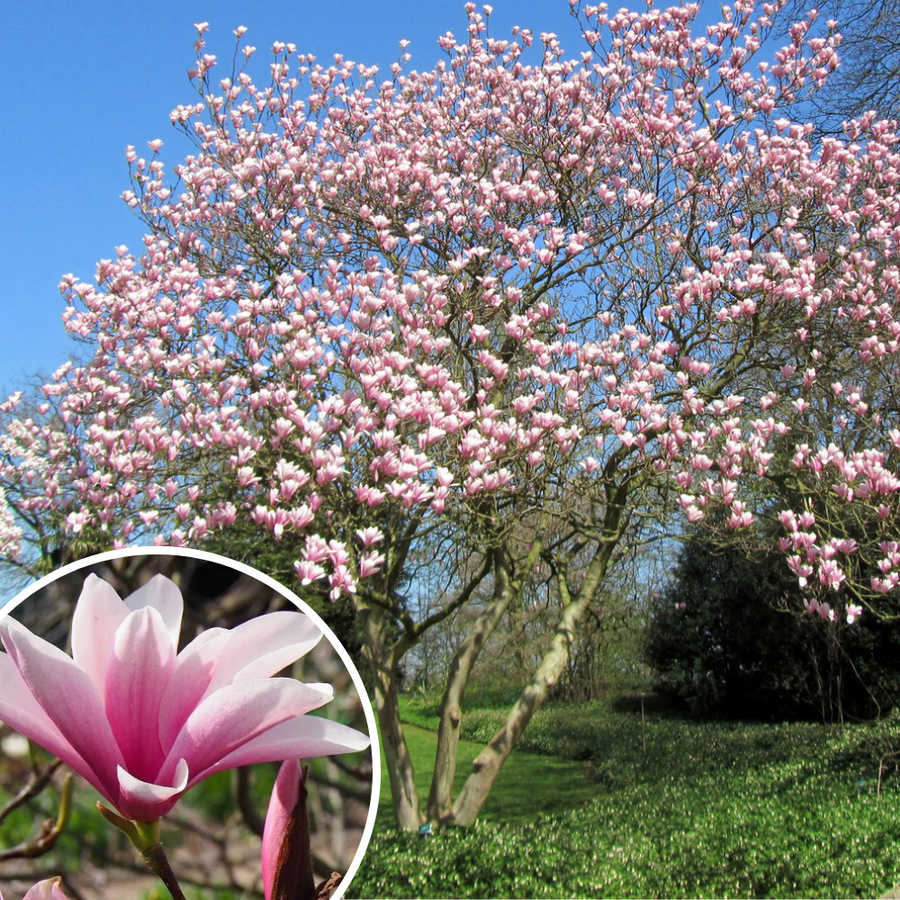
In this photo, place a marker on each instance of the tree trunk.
(440, 798)
(487, 764)
(380, 655)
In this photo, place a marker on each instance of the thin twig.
(252, 819)
(36, 783)
(49, 831)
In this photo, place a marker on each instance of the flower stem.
(158, 863)
(145, 837)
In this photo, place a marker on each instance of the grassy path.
(529, 784)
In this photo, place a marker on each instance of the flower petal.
(303, 737)
(68, 697)
(146, 802)
(234, 715)
(189, 682)
(163, 595)
(139, 669)
(98, 614)
(45, 890)
(285, 794)
(21, 712)
(215, 658)
(287, 868)
(264, 646)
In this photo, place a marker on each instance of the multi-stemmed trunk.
(505, 589)
(486, 766)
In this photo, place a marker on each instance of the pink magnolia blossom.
(48, 889)
(143, 723)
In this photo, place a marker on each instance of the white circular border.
(157, 550)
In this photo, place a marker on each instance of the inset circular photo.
(176, 724)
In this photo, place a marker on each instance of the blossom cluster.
(373, 305)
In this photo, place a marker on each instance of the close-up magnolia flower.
(142, 722)
(44, 890)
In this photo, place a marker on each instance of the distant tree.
(725, 639)
(606, 658)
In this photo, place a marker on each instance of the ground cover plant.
(674, 807)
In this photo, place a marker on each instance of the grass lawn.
(528, 785)
(617, 806)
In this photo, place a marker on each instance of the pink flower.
(143, 723)
(44, 890)
(286, 860)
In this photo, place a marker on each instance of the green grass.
(672, 808)
(527, 784)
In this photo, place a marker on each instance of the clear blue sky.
(84, 79)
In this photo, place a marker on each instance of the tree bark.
(380, 655)
(440, 799)
(489, 761)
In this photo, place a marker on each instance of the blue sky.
(82, 80)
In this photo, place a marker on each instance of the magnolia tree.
(458, 330)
